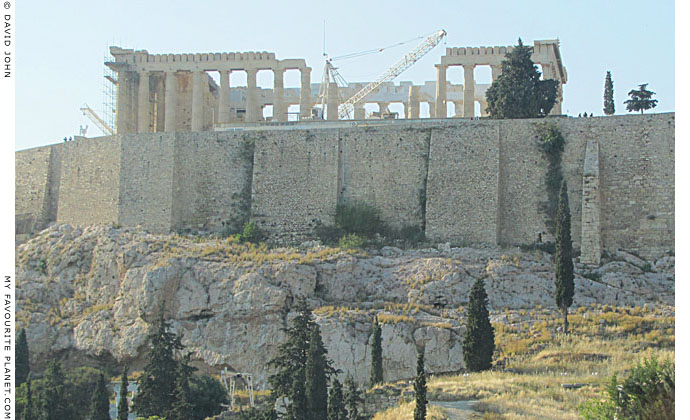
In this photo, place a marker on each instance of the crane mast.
(347, 107)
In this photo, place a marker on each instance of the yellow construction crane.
(105, 128)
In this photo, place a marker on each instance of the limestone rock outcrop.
(95, 290)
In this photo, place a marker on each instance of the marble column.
(170, 101)
(252, 107)
(383, 107)
(360, 112)
(332, 103)
(126, 97)
(279, 109)
(468, 92)
(413, 99)
(432, 110)
(441, 91)
(305, 93)
(495, 72)
(144, 112)
(458, 109)
(198, 100)
(224, 98)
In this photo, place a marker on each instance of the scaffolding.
(109, 111)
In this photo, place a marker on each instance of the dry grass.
(536, 360)
(406, 412)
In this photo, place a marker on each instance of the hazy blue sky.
(61, 45)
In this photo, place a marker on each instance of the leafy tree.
(376, 355)
(352, 399)
(54, 404)
(478, 347)
(518, 92)
(420, 389)
(317, 372)
(80, 382)
(609, 106)
(29, 412)
(100, 401)
(336, 405)
(565, 287)
(292, 354)
(641, 99)
(258, 414)
(158, 382)
(122, 406)
(22, 366)
(207, 396)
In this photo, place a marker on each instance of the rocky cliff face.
(94, 291)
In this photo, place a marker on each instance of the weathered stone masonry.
(469, 182)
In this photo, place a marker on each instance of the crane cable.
(377, 50)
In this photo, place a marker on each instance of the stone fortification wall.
(462, 191)
(90, 181)
(387, 169)
(481, 182)
(295, 182)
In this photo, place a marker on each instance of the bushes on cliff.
(359, 218)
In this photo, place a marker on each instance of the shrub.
(359, 218)
(351, 241)
(251, 233)
(410, 234)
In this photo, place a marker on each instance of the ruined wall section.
(386, 168)
(462, 189)
(146, 192)
(295, 181)
(90, 181)
(212, 181)
(37, 177)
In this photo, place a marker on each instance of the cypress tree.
(100, 401)
(298, 409)
(352, 399)
(336, 405)
(317, 372)
(376, 355)
(30, 408)
(420, 389)
(292, 354)
(159, 380)
(609, 106)
(478, 346)
(518, 92)
(54, 406)
(122, 405)
(565, 287)
(22, 366)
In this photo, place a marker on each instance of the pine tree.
(159, 380)
(565, 288)
(54, 405)
(292, 354)
(609, 106)
(376, 355)
(336, 405)
(352, 399)
(518, 92)
(100, 401)
(640, 100)
(478, 346)
(317, 373)
(22, 366)
(122, 406)
(298, 409)
(420, 389)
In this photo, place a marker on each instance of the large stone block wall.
(462, 189)
(295, 182)
(90, 181)
(482, 182)
(387, 169)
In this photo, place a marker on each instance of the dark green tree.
(207, 396)
(122, 405)
(478, 347)
(565, 287)
(182, 408)
(292, 354)
(552, 144)
(336, 405)
(609, 105)
(420, 389)
(298, 409)
(640, 100)
(376, 354)
(317, 372)
(352, 399)
(158, 382)
(54, 405)
(100, 401)
(22, 366)
(518, 92)
(29, 412)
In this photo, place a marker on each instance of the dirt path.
(456, 410)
